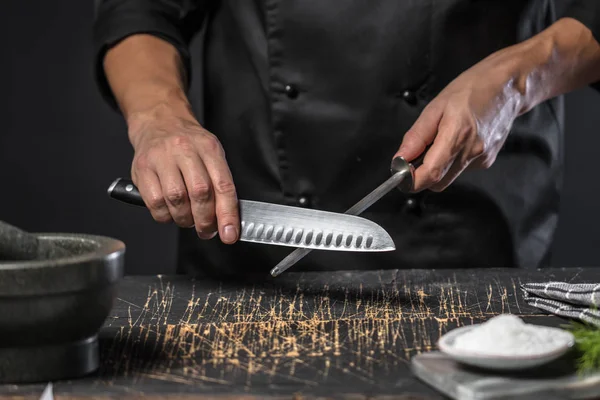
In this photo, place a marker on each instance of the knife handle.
(124, 190)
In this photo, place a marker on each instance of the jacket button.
(303, 201)
(291, 91)
(409, 97)
(413, 206)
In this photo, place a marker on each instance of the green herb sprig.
(587, 343)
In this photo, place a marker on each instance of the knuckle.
(226, 214)
(182, 143)
(182, 216)
(211, 144)
(176, 195)
(228, 218)
(200, 191)
(184, 220)
(156, 203)
(206, 224)
(142, 162)
(435, 174)
(225, 187)
(413, 139)
(162, 217)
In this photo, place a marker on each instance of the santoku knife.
(282, 225)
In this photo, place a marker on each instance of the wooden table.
(347, 335)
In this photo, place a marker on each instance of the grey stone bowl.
(52, 309)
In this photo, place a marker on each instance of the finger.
(421, 134)
(175, 193)
(150, 189)
(458, 166)
(226, 204)
(200, 191)
(134, 176)
(448, 143)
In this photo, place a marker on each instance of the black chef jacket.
(311, 99)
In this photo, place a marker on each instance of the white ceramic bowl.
(499, 362)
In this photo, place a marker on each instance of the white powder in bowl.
(508, 335)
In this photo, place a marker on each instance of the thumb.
(421, 134)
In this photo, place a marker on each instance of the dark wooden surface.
(314, 335)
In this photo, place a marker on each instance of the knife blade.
(402, 178)
(281, 225)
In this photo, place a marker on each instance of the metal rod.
(356, 209)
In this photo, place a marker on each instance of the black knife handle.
(124, 190)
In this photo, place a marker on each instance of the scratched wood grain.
(308, 335)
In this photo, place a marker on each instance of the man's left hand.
(468, 122)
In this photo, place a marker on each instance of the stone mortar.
(51, 309)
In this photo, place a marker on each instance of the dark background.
(61, 146)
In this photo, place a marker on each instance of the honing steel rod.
(400, 169)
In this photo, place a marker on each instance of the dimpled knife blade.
(401, 170)
(280, 225)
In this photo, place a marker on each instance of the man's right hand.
(179, 167)
(182, 174)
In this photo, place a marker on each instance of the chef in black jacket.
(306, 102)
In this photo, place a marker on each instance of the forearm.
(562, 58)
(146, 76)
(178, 166)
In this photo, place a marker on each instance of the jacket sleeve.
(588, 13)
(175, 21)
